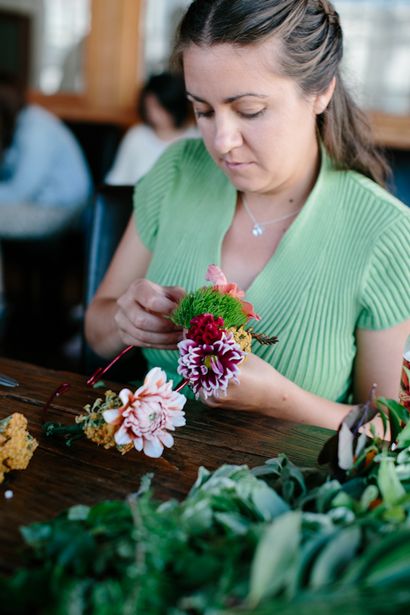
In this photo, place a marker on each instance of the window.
(377, 52)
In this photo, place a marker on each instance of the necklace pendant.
(257, 230)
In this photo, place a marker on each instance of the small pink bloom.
(148, 415)
(215, 275)
(209, 368)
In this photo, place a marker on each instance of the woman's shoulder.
(190, 156)
(189, 148)
(365, 198)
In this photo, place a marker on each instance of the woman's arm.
(378, 360)
(127, 309)
(263, 389)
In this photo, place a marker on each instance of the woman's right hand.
(143, 314)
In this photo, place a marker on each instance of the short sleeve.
(386, 293)
(151, 192)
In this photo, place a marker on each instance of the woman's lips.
(236, 166)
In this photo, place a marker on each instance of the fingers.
(212, 401)
(175, 293)
(158, 337)
(143, 315)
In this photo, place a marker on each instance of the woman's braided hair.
(311, 51)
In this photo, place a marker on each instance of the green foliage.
(210, 301)
(275, 539)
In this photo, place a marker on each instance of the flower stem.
(70, 433)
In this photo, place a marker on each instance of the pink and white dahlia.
(210, 367)
(148, 415)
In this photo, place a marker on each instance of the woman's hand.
(258, 390)
(143, 314)
(264, 390)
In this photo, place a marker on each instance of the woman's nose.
(227, 136)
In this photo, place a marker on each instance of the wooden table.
(59, 476)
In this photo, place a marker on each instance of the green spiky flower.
(207, 300)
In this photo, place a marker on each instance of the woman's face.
(256, 124)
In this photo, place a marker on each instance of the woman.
(284, 196)
(164, 111)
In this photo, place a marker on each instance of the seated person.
(165, 113)
(285, 193)
(44, 179)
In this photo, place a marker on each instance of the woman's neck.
(288, 197)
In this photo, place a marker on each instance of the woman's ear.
(322, 100)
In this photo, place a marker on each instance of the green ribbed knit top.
(343, 264)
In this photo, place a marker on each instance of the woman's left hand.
(264, 390)
(259, 385)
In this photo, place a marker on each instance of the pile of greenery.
(275, 539)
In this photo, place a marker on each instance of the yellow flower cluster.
(94, 425)
(242, 338)
(16, 444)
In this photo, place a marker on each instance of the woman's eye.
(251, 114)
(200, 113)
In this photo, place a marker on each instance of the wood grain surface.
(59, 476)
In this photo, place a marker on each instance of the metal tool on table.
(7, 381)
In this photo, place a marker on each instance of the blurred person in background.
(165, 114)
(44, 179)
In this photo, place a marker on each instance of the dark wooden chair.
(110, 214)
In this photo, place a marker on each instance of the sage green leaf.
(369, 495)
(341, 515)
(403, 471)
(395, 515)
(275, 556)
(197, 519)
(403, 438)
(267, 502)
(100, 384)
(393, 407)
(308, 553)
(391, 565)
(78, 513)
(37, 533)
(390, 486)
(235, 523)
(335, 557)
(345, 448)
(404, 456)
(363, 565)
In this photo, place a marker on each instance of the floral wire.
(64, 386)
(100, 371)
(181, 384)
(60, 390)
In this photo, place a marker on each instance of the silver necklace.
(259, 227)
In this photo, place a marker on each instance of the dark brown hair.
(169, 90)
(311, 50)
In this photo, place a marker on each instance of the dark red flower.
(206, 329)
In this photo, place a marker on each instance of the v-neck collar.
(277, 257)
